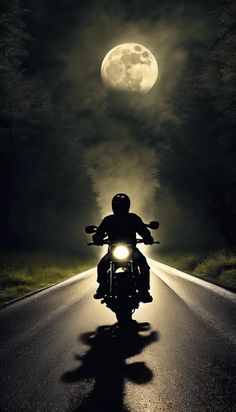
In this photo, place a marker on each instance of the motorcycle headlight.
(120, 252)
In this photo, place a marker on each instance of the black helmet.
(121, 203)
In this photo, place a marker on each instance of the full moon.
(129, 67)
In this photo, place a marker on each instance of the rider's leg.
(102, 269)
(143, 280)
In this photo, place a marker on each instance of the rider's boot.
(145, 296)
(100, 292)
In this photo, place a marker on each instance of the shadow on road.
(105, 365)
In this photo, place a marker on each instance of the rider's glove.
(97, 240)
(148, 240)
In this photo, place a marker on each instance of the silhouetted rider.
(122, 226)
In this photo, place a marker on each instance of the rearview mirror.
(90, 229)
(154, 224)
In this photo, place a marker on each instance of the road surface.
(60, 350)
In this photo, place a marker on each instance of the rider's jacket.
(122, 228)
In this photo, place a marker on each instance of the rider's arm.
(101, 232)
(143, 231)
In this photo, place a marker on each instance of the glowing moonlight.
(129, 67)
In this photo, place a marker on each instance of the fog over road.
(59, 351)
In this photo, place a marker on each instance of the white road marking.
(203, 306)
(15, 304)
(172, 271)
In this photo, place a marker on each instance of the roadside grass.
(218, 267)
(25, 272)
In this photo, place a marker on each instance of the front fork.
(111, 276)
(112, 270)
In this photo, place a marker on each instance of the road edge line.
(224, 291)
(71, 279)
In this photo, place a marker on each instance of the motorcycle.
(122, 295)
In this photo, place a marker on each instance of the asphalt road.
(60, 350)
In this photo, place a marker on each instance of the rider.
(122, 226)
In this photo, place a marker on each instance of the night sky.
(128, 141)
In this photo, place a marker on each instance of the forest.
(48, 195)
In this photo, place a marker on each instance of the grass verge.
(25, 272)
(218, 267)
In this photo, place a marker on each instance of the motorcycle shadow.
(104, 366)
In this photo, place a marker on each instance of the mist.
(122, 133)
(132, 171)
(99, 142)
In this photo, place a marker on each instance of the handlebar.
(95, 244)
(106, 242)
(142, 241)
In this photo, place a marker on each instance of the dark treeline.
(46, 195)
(201, 149)
(43, 184)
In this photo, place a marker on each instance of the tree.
(46, 191)
(201, 150)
